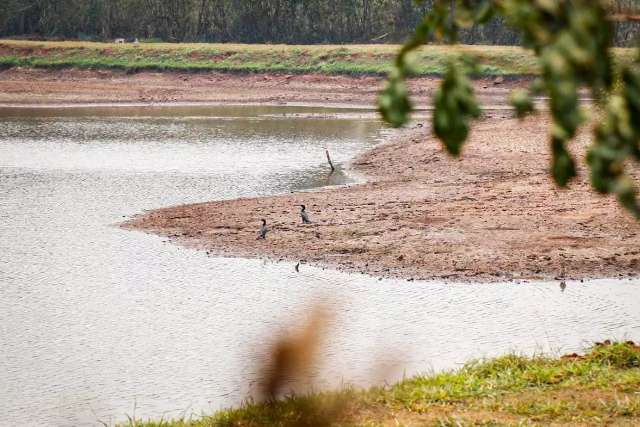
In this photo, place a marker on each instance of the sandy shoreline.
(493, 215)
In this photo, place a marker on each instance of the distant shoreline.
(241, 59)
(348, 59)
(35, 87)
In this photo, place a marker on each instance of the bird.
(263, 230)
(297, 267)
(563, 285)
(304, 215)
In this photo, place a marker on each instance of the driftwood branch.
(333, 169)
(375, 39)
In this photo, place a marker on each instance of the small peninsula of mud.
(492, 215)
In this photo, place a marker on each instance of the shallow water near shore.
(97, 322)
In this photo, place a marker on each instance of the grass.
(601, 387)
(324, 59)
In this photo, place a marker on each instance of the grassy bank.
(601, 387)
(327, 59)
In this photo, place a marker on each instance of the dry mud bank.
(70, 86)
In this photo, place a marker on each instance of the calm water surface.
(97, 322)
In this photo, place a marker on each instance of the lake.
(97, 322)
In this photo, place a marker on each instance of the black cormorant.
(263, 230)
(304, 215)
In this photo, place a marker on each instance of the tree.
(281, 21)
(572, 40)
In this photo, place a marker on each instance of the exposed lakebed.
(96, 320)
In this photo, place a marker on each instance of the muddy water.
(98, 322)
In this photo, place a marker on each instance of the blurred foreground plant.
(572, 40)
(291, 356)
(289, 363)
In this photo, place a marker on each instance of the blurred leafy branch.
(572, 40)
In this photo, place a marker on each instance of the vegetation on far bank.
(292, 59)
(601, 387)
(250, 21)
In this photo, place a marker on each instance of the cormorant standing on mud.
(304, 215)
(263, 230)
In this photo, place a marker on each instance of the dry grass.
(326, 59)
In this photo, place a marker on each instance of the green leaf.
(394, 104)
(521, 100)
(563, 167)
(627, 195)
(455, 104)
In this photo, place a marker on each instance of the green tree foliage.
(455, 104)
(572, 40)
(251, 21)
